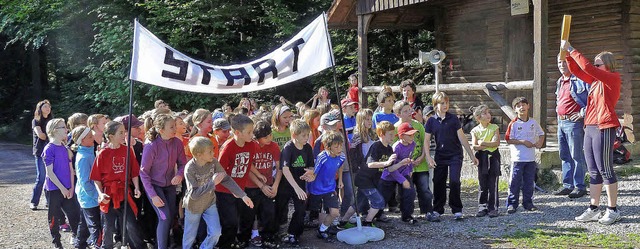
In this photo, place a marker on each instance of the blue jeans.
(522, 175)
(425, 197)
(571, 141)
(191, 223)
(347, 198)
(408, 195)
(41, 173)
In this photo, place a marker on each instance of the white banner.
(154, 62)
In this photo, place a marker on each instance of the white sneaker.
(589, 215)
(353, 219)
(610, 217)
(457, 216)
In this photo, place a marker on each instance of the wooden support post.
(363, 57)
(540, 37)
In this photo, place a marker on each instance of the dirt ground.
(23, 228)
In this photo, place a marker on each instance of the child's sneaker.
(458, 216)
(482, 213)
(291, 240)
(384, 219)
(410, 220)
(433, 217)
(269, 244)
(368, 224)
(65, 227)
(333, 230)
(311, 224)
(610, 217)
(33, 207)
(57, 245)
(325, 236)
(256, 241)
(511, 210)
(345, 225)
(494, 213)
(589, 215)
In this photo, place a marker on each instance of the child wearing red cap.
(393, 176)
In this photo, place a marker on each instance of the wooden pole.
(566, 27)
(540, 79)
(363, 57)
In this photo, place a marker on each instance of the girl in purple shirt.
(59, 184)
(158, 175)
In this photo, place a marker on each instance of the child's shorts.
(328, 200)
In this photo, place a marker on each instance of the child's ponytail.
(197, 118)
(158, 123)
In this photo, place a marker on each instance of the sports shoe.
(353, 219)
(384, 219)
(532, 208)
(577, 193)
(494, 213)
(410, 220)
(563, 191)
(393, 210)
(325, 236)
(311, 224)
(33, 207)
(65, 227)
(589, 215)
(333, 230)
(256, 241)
(57, 245)
(458, 216)
(291, 240)
(482, 213)
(610, 217)
(511, 210)
(269, 244)
(368, 224)
(433, 217)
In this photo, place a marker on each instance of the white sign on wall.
(519, 7)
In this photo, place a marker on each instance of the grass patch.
(570, 238)
(471, 184)
(627, 171)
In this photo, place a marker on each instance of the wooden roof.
(389, 14)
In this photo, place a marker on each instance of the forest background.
(77, 53)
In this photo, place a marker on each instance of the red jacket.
(604, 92)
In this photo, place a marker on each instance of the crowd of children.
(227, 178)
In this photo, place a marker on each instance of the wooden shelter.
(500, 49)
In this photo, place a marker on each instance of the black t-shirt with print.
(297, 160)
(38, 144)
(369, 177)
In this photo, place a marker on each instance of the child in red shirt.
(237, 160)
(108, 174)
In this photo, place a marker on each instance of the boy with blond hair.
(202, 174)
(296, 163)
(447, 161)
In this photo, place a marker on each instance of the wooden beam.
(461, 87)
(540, 36)
(363, 56)
(505, 106)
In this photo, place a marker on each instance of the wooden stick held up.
(566, 27)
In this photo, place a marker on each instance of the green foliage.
(84, 51)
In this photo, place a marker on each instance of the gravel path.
(23, 228)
